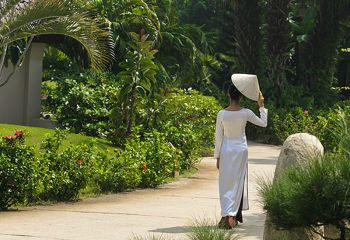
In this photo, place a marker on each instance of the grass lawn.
(35, 136)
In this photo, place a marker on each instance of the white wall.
(20, 97)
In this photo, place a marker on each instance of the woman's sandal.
(228, 222)
(231, 221)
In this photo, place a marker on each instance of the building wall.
(20, 97)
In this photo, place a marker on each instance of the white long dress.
(232, 149)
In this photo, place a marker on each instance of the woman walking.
(231, 152)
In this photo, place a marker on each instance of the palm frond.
(42, 17)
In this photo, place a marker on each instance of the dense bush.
(311, 196)
(17, 164)
(117, 172)
(82, 103)
(143, 163)
(316, 194)
(187, 119)
(191, 107)
(64, 173)
(285, 122)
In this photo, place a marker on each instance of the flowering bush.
(16, 170)
(65, 172)
(143, 163)
(119, 171)
(161, 159)
(82, 103)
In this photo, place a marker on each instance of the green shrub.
(184, 138)
(64, 172)
(82, 103)
(192, 108)
(162, 159)
(311, 196)
(144, 162)
(285, 122)
(119, 171)
(207, 230)
(17, 168)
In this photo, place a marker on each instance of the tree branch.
(2, 61)
(322, 235)
(19, 62)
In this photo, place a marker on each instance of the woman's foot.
(231, 221)
(228, 222)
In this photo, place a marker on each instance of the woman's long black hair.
(234, 94)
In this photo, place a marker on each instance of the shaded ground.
(167, 211)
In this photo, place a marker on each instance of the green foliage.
(316, 194)
(207, 230)
(64, 173)
(21, 22)
(162, 159)
(82, 103)
(17, 169)
(282, 123)
(143, 163)
(188, 120)
(311, 196)
(138, 79)
(119, 171)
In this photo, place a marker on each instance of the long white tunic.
(231, 147)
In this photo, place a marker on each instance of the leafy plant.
(66, 172)
(83, 102)
(207, 230)
(138, 78)
(17, 170)
(311, 196)
(21, 21)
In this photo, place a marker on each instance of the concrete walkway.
(167, 211)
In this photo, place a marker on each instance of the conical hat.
(247, 84)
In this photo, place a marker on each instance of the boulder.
(297, 150)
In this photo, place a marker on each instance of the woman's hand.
(218, 163)
(261, 100)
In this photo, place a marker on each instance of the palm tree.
(248, 37)
(278, 45)
(23, 20)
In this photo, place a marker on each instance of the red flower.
(19, 133)
(145, 167)
(9, 137)
(80, 162)
(306, 111)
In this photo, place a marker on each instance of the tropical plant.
(278, 46)
(138, 78)
(16, 161)
(247, 36)
(312, 196)
(318, 56)
(21, 21)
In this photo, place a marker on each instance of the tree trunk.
(277, 45)
(131, 110)
(247, 35)
(321, 51)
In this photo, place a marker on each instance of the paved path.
(167, 211)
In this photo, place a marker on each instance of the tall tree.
(277, 46)
(317, 62)
(248, 36)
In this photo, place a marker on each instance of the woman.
(231, 152)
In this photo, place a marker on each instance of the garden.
(133, 88)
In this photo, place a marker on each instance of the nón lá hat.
(247, 84)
